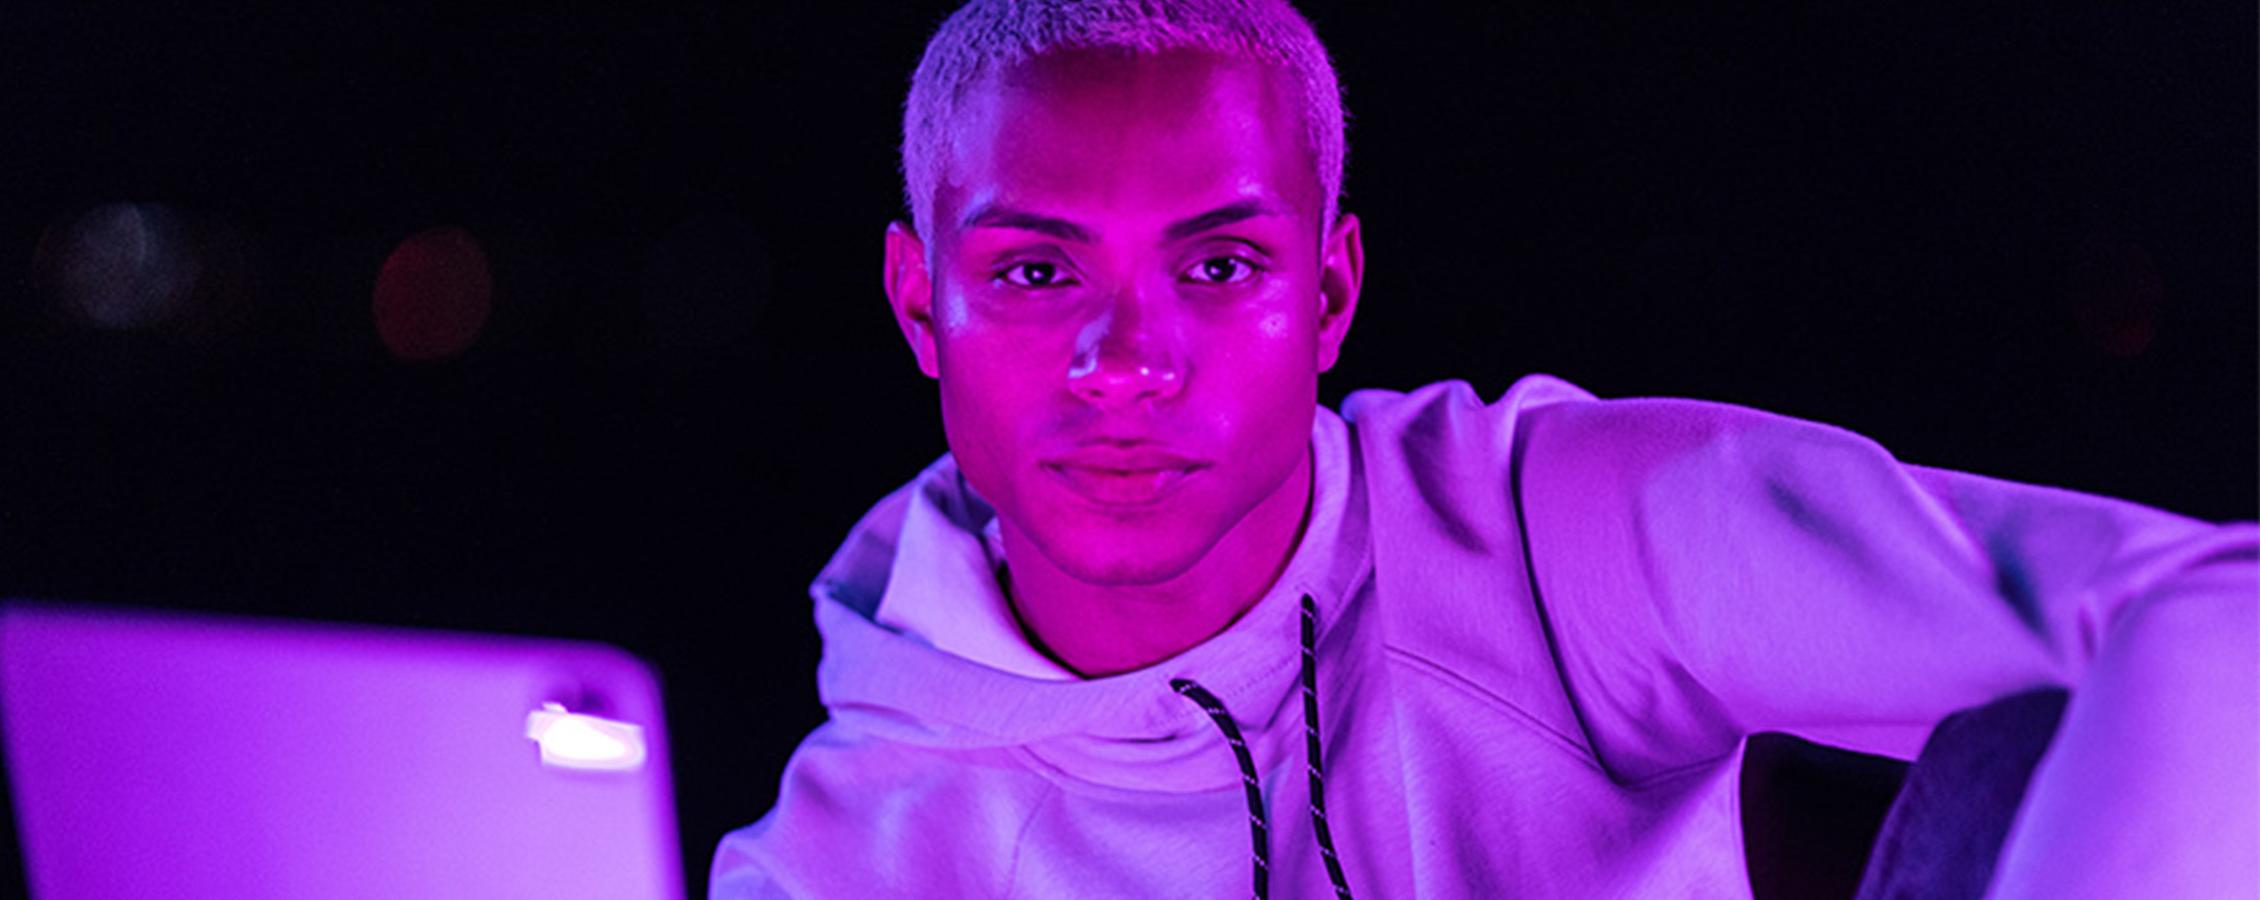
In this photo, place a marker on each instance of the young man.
(1158, 625)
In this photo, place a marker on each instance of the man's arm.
(1711, 572)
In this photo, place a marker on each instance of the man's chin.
(1123, 560)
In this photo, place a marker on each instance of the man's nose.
(1128, 354)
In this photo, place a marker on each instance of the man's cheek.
(992, 403)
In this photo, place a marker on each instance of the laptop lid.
(169, 755)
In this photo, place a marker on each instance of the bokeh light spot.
(124, 266)
(433, 295)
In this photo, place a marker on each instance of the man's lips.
(1125, 459)
(1111, 476)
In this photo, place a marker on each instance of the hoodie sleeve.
(1710, 572)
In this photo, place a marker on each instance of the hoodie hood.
(894, 667)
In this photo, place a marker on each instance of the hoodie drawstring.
(1312, 754)
(1215, 710)
(1314, 758)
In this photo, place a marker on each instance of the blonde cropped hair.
(1002, 33)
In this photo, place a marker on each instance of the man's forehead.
(1106, 130)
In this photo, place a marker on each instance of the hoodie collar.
(920, 646)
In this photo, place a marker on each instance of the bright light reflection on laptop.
(576, 741)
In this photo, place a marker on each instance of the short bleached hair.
(986, 34)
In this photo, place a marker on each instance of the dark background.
(2003, 238)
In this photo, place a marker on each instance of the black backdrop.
(1935, 226)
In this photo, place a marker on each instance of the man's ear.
(1341, 271)
(910, 290)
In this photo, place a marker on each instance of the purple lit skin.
(1127, 304)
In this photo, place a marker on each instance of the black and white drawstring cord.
(1314, 759)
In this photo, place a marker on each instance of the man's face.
(1129, 300)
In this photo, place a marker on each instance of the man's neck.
(1099, 630)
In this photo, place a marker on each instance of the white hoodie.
(1543, 627)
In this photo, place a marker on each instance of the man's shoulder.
(1560, 423)
(1448, 424)
(1454, 400)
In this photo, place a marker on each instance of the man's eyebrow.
(1219, 217)
(995, 216)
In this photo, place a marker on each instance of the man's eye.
(1035, 275)
(1222, 270)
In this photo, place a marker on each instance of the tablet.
(179, 756)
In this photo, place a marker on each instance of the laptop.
(189, 756)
